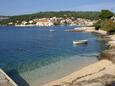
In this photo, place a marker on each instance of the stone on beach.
(110, 41)
(112, 37)
(111, 44)
(108, 54)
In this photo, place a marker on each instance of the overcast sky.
(17, 7)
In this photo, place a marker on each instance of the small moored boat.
(66, 30)
(52, 30)
(80, 42)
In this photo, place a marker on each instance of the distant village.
(71, 18)
(55, 21)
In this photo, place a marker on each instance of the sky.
(17, 7)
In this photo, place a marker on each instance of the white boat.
(66, 30)
(80, 42)
(52, 30)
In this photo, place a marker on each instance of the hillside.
(63, 14)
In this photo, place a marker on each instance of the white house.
(44, 22)
(24, 22)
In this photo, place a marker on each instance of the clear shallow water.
(35, 55)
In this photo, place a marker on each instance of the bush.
(97, 25)
(106, 14)
(108, 25)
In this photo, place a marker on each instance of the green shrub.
(97, 25)
(108, 25)
(106, 14)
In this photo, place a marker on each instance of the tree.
(109, 25)
(106, 14)
(97, 25)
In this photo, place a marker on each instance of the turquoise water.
(31, 54)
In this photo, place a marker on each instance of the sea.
(33, 56)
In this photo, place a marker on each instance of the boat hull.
(80, 42)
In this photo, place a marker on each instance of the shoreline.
(89, 74)
(100, 73)
(56, 70)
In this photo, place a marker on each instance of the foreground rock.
(5, 80)
(101, 73)
(108, 54)
(111, 42)
(112, 37)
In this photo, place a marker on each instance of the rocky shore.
(109, 53)
(101, 73)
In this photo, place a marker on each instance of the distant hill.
(63, 14)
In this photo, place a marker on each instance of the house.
(30, 22)
(10, 23)
(24, 22)
(44, 22)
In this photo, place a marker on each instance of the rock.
(112, 37)
(105, 80)
(111, 44)
(112, 83)
(108, 54)
(86, 83)
(111, 47)
(111, 41)
(94, 84)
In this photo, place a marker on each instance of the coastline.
(56, 70)
(100, 73)
(87, 68)
(69, 60)
(90, 75)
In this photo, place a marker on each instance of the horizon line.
(56, 11)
